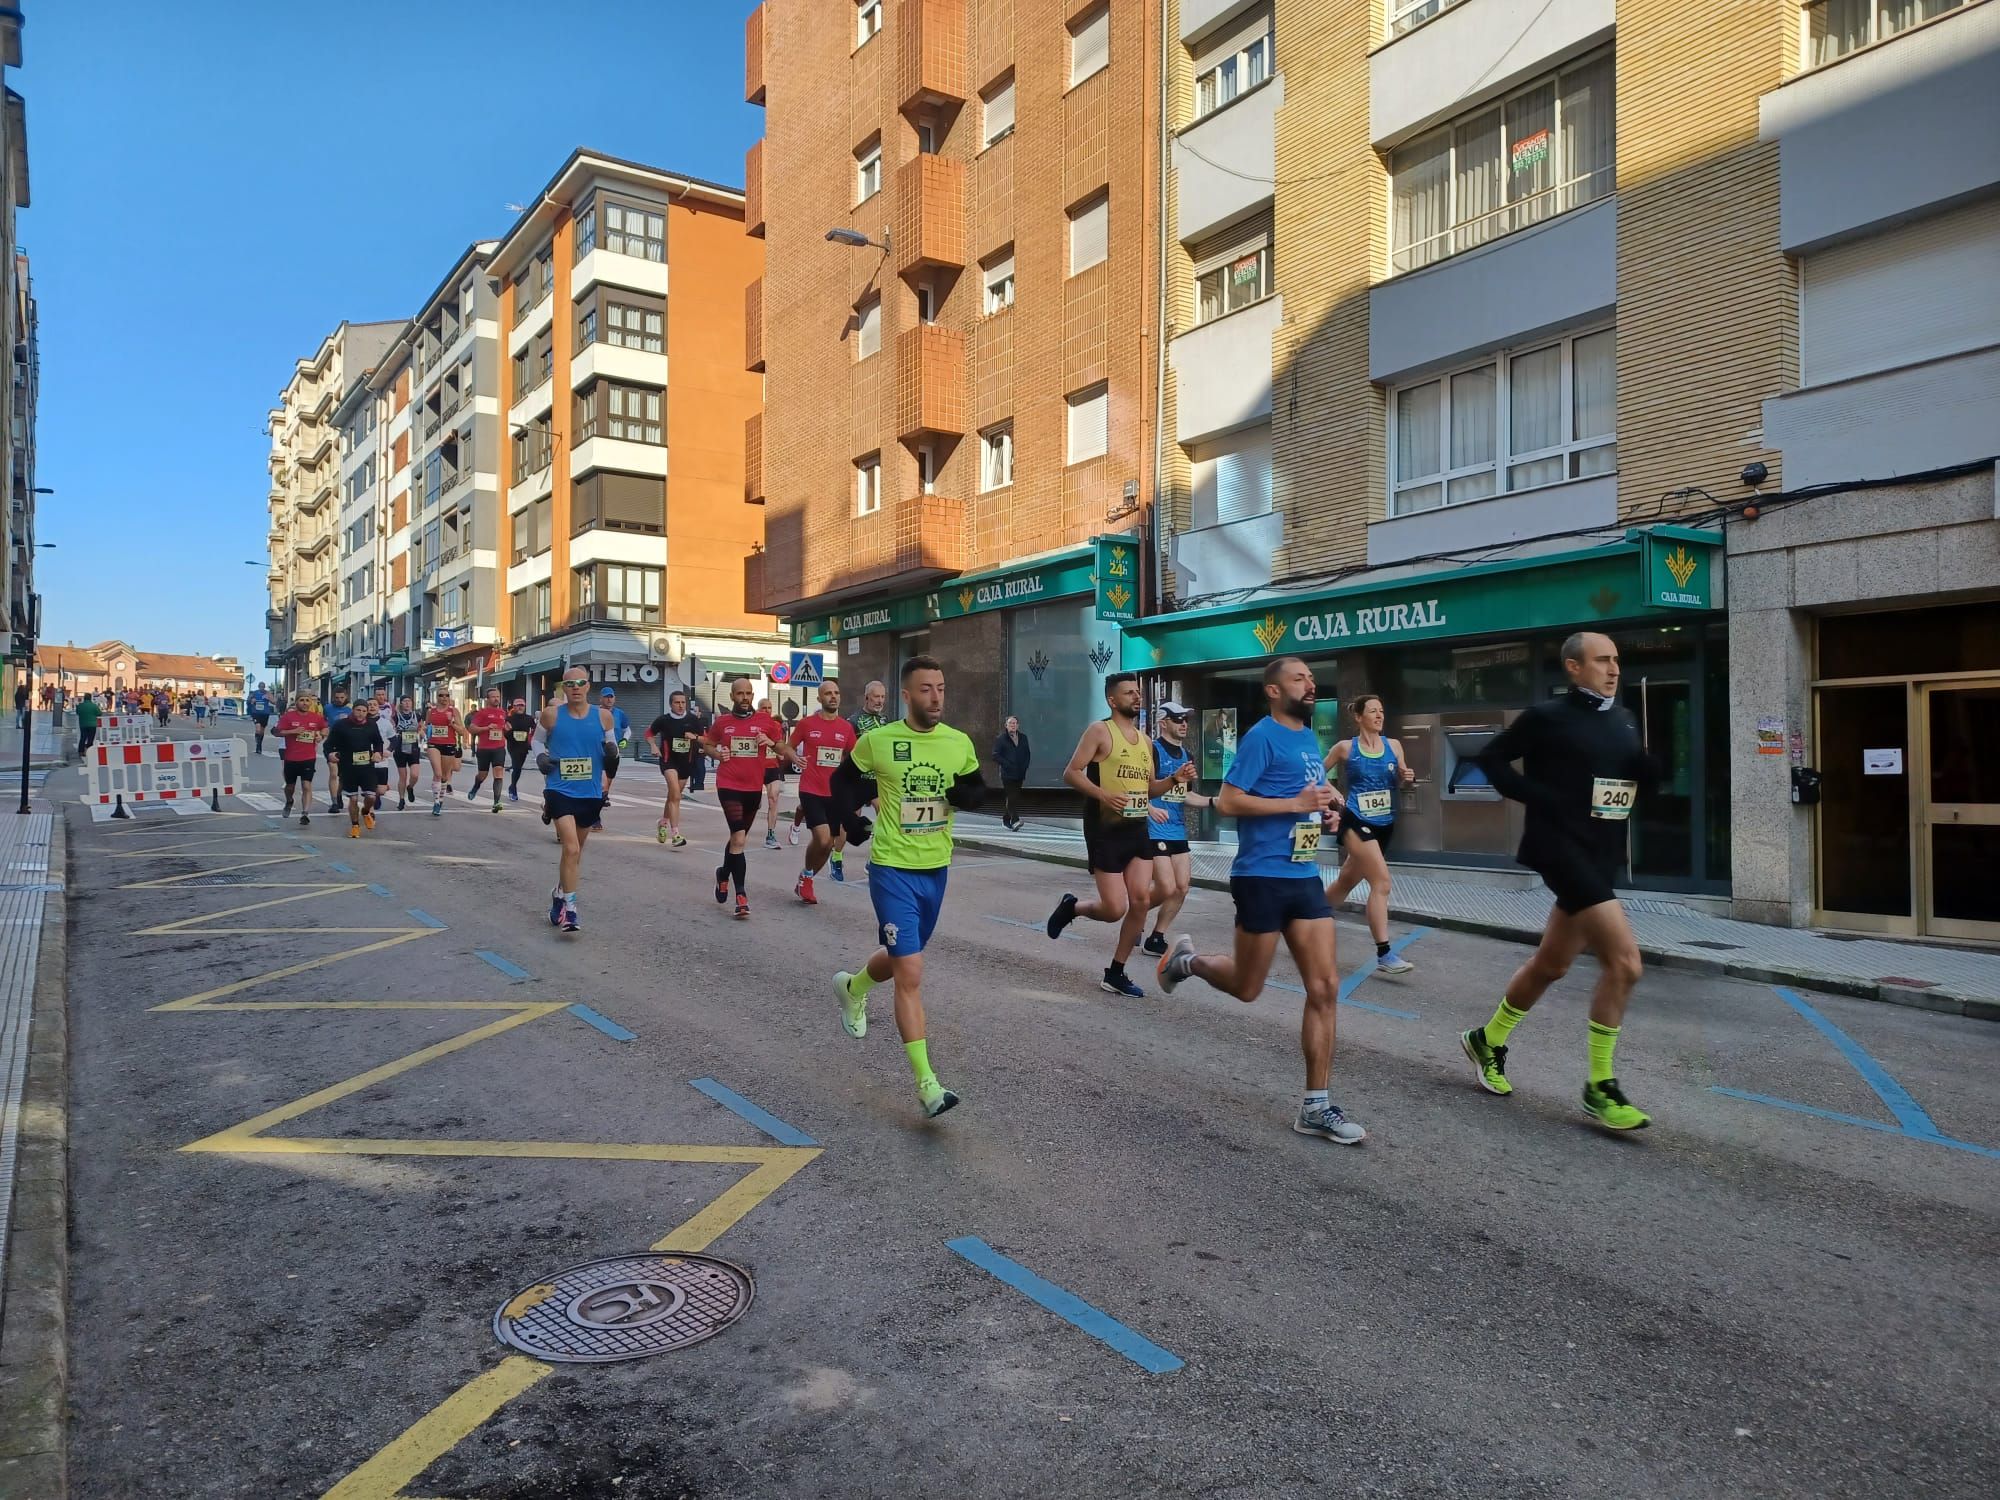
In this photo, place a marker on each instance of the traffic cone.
(119, 810)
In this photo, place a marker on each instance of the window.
(996, 457)
(927, 138)
(1233, 63)
(997, 111)
(630, 327)
(540, 593)
(1089, 229)
(619, 502)
(634, 231)
(999, 273)
(1835, 28)
(1537, 153)
(927, 468)
(867, 21)
(1231, 478)
(927, 302)
(1405, 14)
(631, 594)
(1090, 45)
(626, 412)
(868, 328)
(868, 485)
(1232, 271)
(1089, 423)
(586, 327)
(586, 231)
(1515, 421)
(534, 449)
(524, 614)
(868, 171)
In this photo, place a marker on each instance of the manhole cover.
(625, 1307)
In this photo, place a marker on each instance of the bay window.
(1232, 270)
(1232, 64)
(1835, 28)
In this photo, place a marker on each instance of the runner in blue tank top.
(1375, 770)
(1173, 866)
(577, 739)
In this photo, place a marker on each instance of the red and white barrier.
(165, 770)
(126, 729)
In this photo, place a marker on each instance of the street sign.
(780, 673)
(805, 669)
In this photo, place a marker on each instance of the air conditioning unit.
(667, 647)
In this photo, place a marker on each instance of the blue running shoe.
(556, 909)
(1118, 982)
(839, 870)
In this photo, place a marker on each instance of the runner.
(300, 730)
(674, 737)
(200, 710)
(444, 735)
(520, 734)
(407, 750)
(489, 745)
(745, 742)
(874, 702)
(356, 742)
(1173, 866)
(1376, 768)
(334, 714)
(1276, 790)
(922, 770)
(577, 740)
(1112, 767)
(621, 724)
(821, 739)
(385, 725)
(1583, 765)
(774, 784)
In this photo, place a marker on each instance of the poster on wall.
(1218, 742)
(1770, 735)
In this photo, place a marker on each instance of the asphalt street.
(1786, 1295)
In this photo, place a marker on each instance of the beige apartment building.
(19, 333)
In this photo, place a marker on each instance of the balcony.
(753, 190)
(930, 381)
(1226, 161)
(753, 459)
(318, 588)
(312, 499)
(1224, 371)
(753, 57)
(930, 214)
(907, 539)
(931, 55)
(753, 325)
(753, 584)
(313, 545)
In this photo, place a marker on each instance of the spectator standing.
(1011, 754)
(86, 723)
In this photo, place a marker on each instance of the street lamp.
(854, 239)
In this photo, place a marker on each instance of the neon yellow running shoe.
(853, 1007)
(1606, 1103)
(936, 1098)
(1489, 1061)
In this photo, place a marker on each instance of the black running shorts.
(299, 770)
(1111, 845)
(588, 811)
(1165, 848)
(1369, 833)
(491, 760)
(739, 809)
(1576, 879)
(1271, 903)
(773, 774)
(681, 765)
(818, 810)
(357, 778)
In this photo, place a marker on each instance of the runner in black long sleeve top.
(1583, 769)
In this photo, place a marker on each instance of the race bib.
(1135, 805)
(521, 736)
(1305, 841)
(574, 768)
(1610, 798)
(409, 736)
(1375, 804)
(743, 746)
(1175, 793)
(829, 755)
(681, 744)
(924, 814)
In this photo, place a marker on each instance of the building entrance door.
(1669, 711)
(1865, 855)
(1960, 820)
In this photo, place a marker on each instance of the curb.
(1943, 1001)
(34, 1361)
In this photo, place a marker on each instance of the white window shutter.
(1089, 233)
(1090, 46)
(998, 106)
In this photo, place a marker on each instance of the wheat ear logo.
(1270, 630)
(1118, 596)
(1118, 563)
(965, 598)
(1681, 563)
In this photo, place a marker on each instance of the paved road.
(1489, 1298)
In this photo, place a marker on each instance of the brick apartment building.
(960, 389)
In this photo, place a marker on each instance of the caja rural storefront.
(1457, 653)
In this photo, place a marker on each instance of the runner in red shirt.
(444, 731)
(821, 739)
(301, 728)
(746, 743)
(489, 744)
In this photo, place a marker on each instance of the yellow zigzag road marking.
(200, 1001)
(247, 864)
(229, 838)
(202, 922)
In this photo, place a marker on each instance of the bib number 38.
(1611, 798)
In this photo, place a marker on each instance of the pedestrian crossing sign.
(806, 670)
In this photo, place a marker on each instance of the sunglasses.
(1177, 718)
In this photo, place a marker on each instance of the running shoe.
(936, 1098)
(1063, 915)
(770, 839)
(305, 820)
(555, 909)
(679, 841)
(742, 906)
(496, 804)
(792, 835)
(853, 1007)
(368, 820)
(1178, 964)
(354, 830)
(1156, 943)
(1488, 1061)
(437, 808)
(1606, 1103)
(513, 795)
(721, 886)
(607, 796)
(839, 870)
(402, 803)
(569, 922)
(1327, 1121)
(803, 889)
(662, 831)
(1392, 963)
(1116, 983)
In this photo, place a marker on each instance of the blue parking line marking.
(764, 1120)
(1909, 1114)
(1071, 1308)
(383, 891)
(338, 868)
(1928, 1137)
(309, 848)
(505, 966)
(603, 1023)
(419, 914)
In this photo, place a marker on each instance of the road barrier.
(126, 729)
(165, 770)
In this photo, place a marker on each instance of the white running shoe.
(1393, 963)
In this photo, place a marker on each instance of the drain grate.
(625, 1307)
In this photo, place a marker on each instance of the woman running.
(407, 750)
(444, 735)
(1374, 768)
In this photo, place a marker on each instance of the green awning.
(730, 666)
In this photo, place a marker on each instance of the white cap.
(1175, 707)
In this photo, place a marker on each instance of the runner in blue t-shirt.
(1277, 791)
(621, 731)
(1376, 770)
(1173, 866)
(335, 712)
(260, 715)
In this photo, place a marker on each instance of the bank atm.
(1453, 808)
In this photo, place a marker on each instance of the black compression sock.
(1381, 950)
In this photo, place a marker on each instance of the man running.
(874, 706)
(745, 744)
(444, 732)
(922, 770)
(520, 737)
(621, 724)
(1173, 865)
(489, 745)
(1112, 767)
(1583, 765)
(577, 739)
(675, 738)
(774, 784)
(406, 749)
(822, 740)
(356, 743)
(300, 731)
(334, 714)
(385, 725)
(1376, 770)
(1276, 790)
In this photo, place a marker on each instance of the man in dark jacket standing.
(1010, 754)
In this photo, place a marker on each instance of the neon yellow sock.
(860, 983)
(1602, 1040)
(1505, 1019)
(920, 1061)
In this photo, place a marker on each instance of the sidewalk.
(1960, 981)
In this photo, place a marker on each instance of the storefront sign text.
(1053, 578)
(1384, 619)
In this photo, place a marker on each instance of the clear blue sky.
(216, 185)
